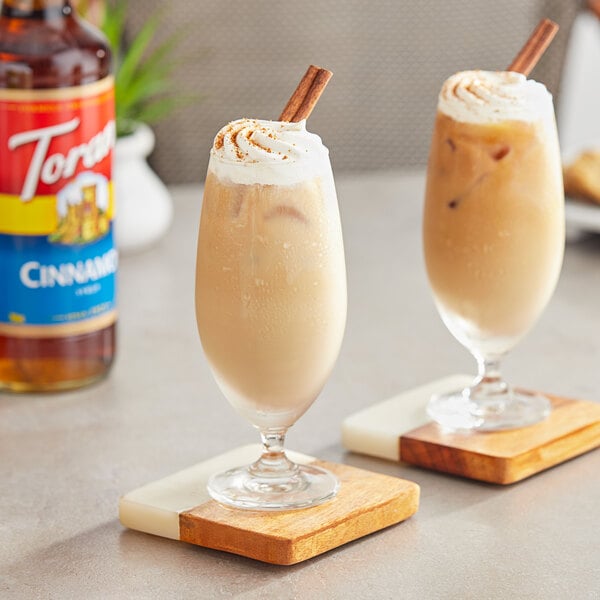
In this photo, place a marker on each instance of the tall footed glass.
(493, 234)
(270, 297)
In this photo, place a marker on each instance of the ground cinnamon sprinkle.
(234, 133)
(255, 143)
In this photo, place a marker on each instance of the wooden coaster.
(179, 507)
(572, 428)
(376, 430)
(397, 429)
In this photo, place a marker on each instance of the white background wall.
(579, 110)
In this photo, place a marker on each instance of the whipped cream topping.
(490, 96)
(268, 152)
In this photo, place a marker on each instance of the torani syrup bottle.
(57, 258)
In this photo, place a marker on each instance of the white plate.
(582, 215)
(579, 214)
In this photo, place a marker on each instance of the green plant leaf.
(114, 27)
(153, 76)
(144, 86)
(159, 108)
(132, 59)
(144, 89)
(161, 58)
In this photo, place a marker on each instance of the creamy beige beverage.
(270, 280)
(494, 211)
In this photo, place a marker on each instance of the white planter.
(144, 209)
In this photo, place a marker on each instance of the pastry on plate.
(582, 177)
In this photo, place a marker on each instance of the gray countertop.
(65, 459)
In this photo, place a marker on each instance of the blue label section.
(43, 283)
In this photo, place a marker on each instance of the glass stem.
(273, 461)
(489, 382)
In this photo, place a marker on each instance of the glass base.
(305, 486)
(510, 410)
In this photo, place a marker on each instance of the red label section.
(47, 138)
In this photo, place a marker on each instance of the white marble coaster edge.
(155, 507)
(375, 430)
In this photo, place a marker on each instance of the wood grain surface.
(572, 428)
(366, 502)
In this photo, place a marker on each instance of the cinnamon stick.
(306, 95)
(594, 6)
(534, 47)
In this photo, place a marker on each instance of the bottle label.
(57, 258)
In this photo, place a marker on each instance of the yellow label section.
(37, 216)
(63, 330)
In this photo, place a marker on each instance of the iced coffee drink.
(271, 287)
(270, 280)
(494, 214)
